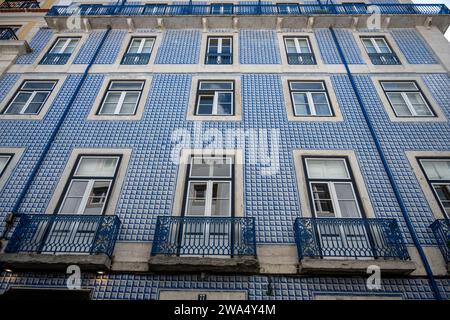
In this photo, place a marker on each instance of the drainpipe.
(388, 170)
(17, 204)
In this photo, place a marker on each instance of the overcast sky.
(446, 2)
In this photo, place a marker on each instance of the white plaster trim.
(60, 79)
(185, 156)
(17, 155)
(331, 94)
(116, 189)
(237, 99)
(422, 180)
(360, 185)
(439, 115)
(101, 93)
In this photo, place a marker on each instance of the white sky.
(446, 2)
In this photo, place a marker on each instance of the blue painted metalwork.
(349, 237)
(55, 58)
(388, 170)
(7, 34)
(230, 236)
(301, 58)
(65, 233)
(219, 58)
(19, 4)
(136, 58)
(384, 58)
(441, 230)
(246, 9)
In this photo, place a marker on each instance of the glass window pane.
(3, 162)
(216, 85)
(290, 46)
(399, 86)
(419, 104)
(38, 85)
(224, 103)
(126, 85)
(97, 197)
(301, 105)
(33, 108)
(443, 192)
(209, 167)
(437, 169)
(327, 169)
(205, 105)
(322, 200)
(307, 86)
(110, 103)
(18, 103)
(97, 167)
(369, 46)
(197, 190)
(74, 196)
(399, 104)
(382, 45)
(220, 207)
(221, 190)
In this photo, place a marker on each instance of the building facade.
(225, 150)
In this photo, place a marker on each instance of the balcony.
(135, 58)
(11, 46)
(50, 241)
(219, 58)
(16, 4)
(247, 15)
(348, 245)
(7, 34)
(55, 58)
(216, 244)
(441, 231)
(384, 58)
(301, 58)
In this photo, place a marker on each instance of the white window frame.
(8, 161)
(67, 40)
(142, 40)
(407, 101)
(208, 197)
(311, 104)
(215, 94)
(375, 45)
(123, 94)
(297, 44)
(219, 44)
(30, 99)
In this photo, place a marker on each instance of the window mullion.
(375, 45)
(311, 103)
(141, 46)
(120, 102)
(297, 45)
(219, 45)
(215, 103)
(28, 102)
(408, 103)
(85, 198)
(208, 198)
(337, 209)
(65, 45)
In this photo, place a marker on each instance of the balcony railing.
(204, 236)
(7, 34)
(55, 58)
(384, 58)
(441, 230)
(219, 58)
(64, 233)
(349, 238)
(136, 58)
(15, 4)
(301, 58)
(245, 9)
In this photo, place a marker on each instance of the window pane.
(437, 169)
(419, 104)
(196, 200)
(129, 103)
(126, 85)
(216, 85)
(399, 86)
(208, 167)
(290, 46)
(205, 105)
(399, 104)
(36, 103)
(369, 46)
(321, 104)
(304, 47)
(443, 192)
(71, 46)
(58, 46)
(322, 200)
(38, 85)
(220, 207)
(224, 103)
(301, 105)
(347, 200)
(148, 45)
(3, 162)
(74, 197)
(327, 169)
(220, 199)
(97, 197)
(110, 103)
(18, 103)
(97, 167)
(307, 86)
(382, 45)
(221, 190)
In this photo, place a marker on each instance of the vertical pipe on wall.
(388, 170)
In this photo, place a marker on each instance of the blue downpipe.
(388, 170)
(56, 129)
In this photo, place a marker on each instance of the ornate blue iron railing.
(55, 58)
(219, 58)
(384, 58)
(301, 58)
(349, 237)
(441, 230)
(64, 233)
(204, 236)
(19, 4)
(7, 34)
(136, 58)
(246, 9)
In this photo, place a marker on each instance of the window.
(121, 98)
(220, 50)
(209, 187)
(222, 8)
(90, 184)
(299, 51)
(215, 98)
(310, 98)
(30, 97)
(4, 161)
(331, 188)
(379, 51)
(406, 99)
(9, 32)
(437, 171)
(138, 51)
(288, 8)
(61, 51)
